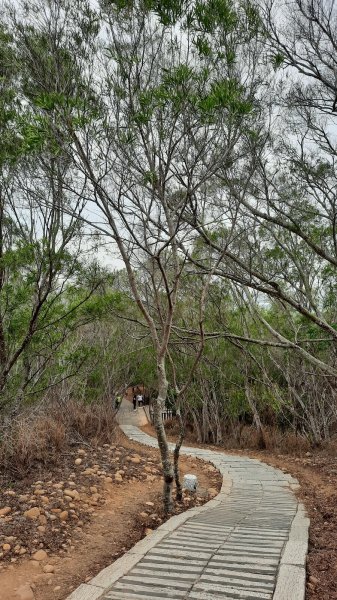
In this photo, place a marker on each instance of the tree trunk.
(216, 416)
(179, 489)
(158, 406)
(257, 420)
(205, 420)
(3, 353)
(196, 423)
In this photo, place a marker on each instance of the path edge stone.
(291, 578)
(86, 592)
(96, 587)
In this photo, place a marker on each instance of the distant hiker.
(118, 401)
(134, 400)
(139, 399)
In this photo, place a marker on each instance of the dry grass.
(246, 437)
(41, 435)
(275, 440)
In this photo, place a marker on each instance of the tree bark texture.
(168, 473)
(179, 489)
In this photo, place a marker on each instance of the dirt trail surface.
(82, 515)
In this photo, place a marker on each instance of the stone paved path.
(127, 416)
(249, 543)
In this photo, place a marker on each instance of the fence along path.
(249, 543)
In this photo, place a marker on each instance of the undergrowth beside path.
(83, 510)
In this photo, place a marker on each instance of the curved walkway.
(249, 543)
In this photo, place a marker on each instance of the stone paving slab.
(249, 543)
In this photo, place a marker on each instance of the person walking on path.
(134, 400)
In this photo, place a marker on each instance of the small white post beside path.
(249, 543)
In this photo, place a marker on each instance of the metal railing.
(165, 414)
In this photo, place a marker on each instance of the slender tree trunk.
(196, 422)
(3, 350)
(205, 418)
(216, 417)
(257, 420)
(179, 489)
(158, 405)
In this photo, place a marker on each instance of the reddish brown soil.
(103, 524)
